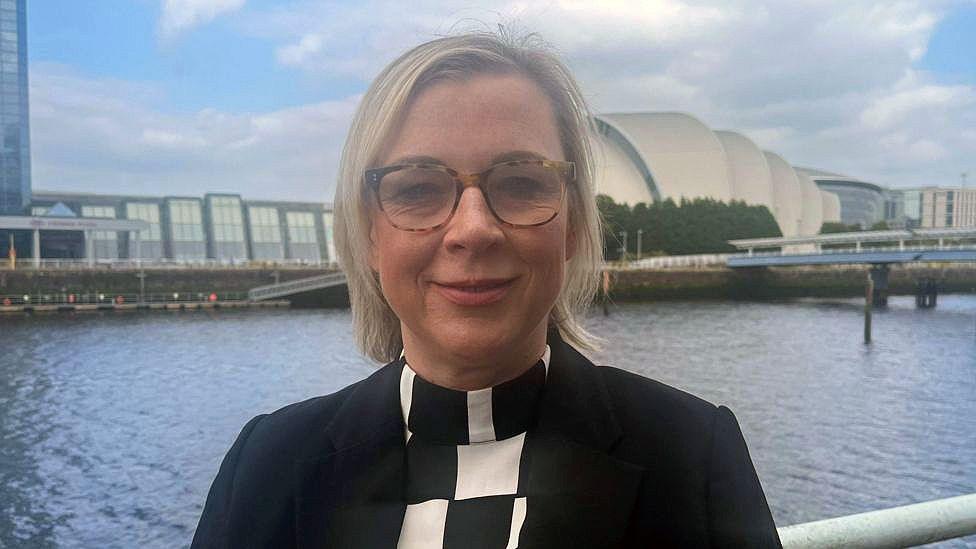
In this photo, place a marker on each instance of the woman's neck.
(468, 372)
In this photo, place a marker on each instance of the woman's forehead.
(472, 121)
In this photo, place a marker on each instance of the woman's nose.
(473, 226)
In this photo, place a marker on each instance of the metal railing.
(675, 261)
(110, 298)
(27, 263)
(862, 250)
(904, 526)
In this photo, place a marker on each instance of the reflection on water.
(113, 426)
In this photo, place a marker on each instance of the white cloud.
(106, 135)
(180, 15)
(297, 54)
(825, 83)
(830, 83)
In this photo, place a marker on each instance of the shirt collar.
(447, 416)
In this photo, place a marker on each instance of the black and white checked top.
(464, 459)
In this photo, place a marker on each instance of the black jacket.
(648, 466)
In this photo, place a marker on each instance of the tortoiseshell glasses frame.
(421, 197)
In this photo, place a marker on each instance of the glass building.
(303, 242)
(185, 222)
(15, 181)
(149, 245)
(265, 225)
(221, 227)
(860, 203)
(226, 224)
(105, 244)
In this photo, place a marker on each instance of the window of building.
(265, 225)
(301, 227)
(104, 212)
(327, 222)
(149, 213)
(39, 210)
(228, 224)
(185, 220)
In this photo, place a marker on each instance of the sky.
(183, 97)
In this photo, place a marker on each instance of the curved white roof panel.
(831, 206)
(811, 211)
(787, 194)
(748, 170)
(682, 155)
(616, 174)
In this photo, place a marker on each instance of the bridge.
(865, 248)
(291, 287)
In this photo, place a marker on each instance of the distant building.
(222, 227)
(861, 203)
(947, 207)
(651, 156)
(15, 172)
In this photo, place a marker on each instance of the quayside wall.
(625, 284)
(763, 283)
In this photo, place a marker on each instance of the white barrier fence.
(132, 264)
(905, 526)
(676, 261)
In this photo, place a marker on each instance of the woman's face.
(473, 290)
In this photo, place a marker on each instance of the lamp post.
(639, 233)
(623, 248)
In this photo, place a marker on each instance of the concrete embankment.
(56, 285)
(781, 282)
(104, 285)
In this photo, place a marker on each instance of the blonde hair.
(376, 326)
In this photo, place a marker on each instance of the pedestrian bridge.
(292, 287)
(868, 247)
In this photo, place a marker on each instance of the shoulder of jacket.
(287, 430)
(640, 402)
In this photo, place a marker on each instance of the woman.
(466, 224)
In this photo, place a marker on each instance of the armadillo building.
(651, 156)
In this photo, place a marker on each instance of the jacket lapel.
(350, 486)
(578, 494)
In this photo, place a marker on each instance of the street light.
(639, 233)
(623, 248)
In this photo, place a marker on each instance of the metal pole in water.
(868, 305)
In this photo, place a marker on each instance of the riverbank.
(780, 282)
(54, 286)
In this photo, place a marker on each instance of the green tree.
(700, 225)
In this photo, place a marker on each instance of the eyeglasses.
(423, 197)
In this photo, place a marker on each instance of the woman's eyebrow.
(417, 159)
(516, 155)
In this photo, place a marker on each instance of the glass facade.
(150, 240)
(105, 244)
(186, 228)
(303, 242)
(227, 227)
(15, 185)
(329, 237)
(860, 203)
(265, 224)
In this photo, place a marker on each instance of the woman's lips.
(477, 292)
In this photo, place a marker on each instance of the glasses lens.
(524, 194)
(417, 198)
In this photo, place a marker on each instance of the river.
(113, 425)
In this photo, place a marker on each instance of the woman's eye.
(520, 187)
(416, 191)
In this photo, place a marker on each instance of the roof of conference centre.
(836, 178)
(650, 156)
